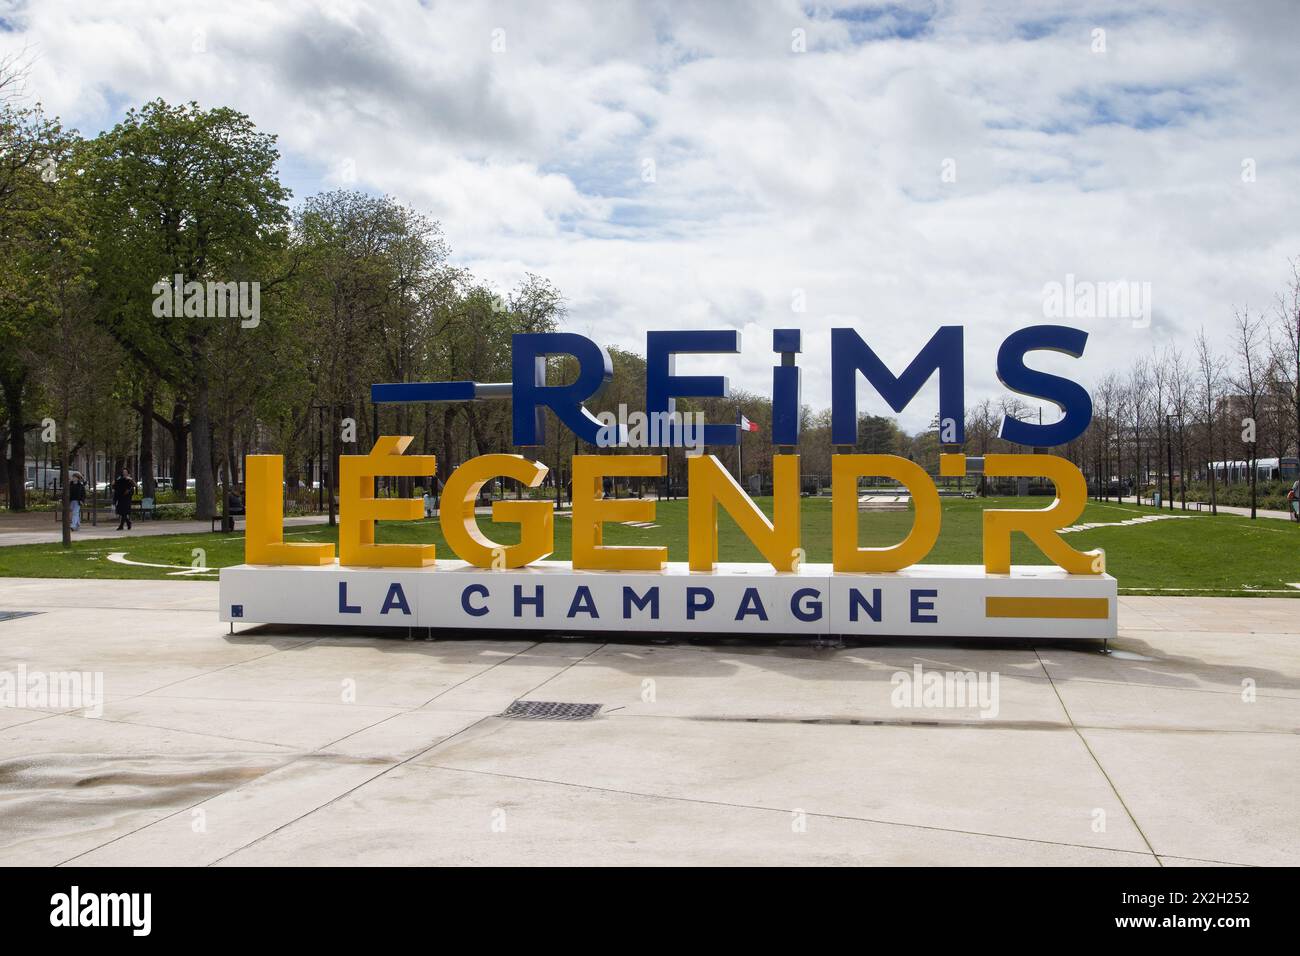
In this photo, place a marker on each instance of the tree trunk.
(205, 493)
(16, 470)
(63, 484)
(180, 433)
(405, 483)
(224, 471)
(1169, 459)
(147, 468)
(444, 460)
(1253, 462)
(1182, 466)
(332, 484)
(476, 431)
(1297, 389)
(1209, 439)
(1137, 463)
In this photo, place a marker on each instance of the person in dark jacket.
(123, 492)
(76, 497)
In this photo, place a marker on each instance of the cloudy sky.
(891, 167)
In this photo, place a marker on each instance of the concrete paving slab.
(1179, 861)
(1049, 791)
(302, 727)
(1143, 707)
(136, 652)
(35, 593)
(421, 816)
(528, 673)
(1210, 796)
(12, 716)
(217, 827)
(1231, 662)
(836, 684)
(1236, 615)
(67, 735)
(70, 784)
(372, 672)
(404, 736)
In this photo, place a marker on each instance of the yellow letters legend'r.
(536, 519)
(711, 485)
(927, 513)
(359, 509)
(1040, 524)
(592, 511)
(264, 535)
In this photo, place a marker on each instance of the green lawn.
(1203, 555)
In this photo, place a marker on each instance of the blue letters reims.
(942, 357)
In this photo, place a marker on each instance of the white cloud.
(774, 170)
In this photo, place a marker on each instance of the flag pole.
(740, 435)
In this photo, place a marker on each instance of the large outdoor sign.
(863, 591)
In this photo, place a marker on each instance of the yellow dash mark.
(1083, 608)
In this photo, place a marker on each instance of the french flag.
(747, 426)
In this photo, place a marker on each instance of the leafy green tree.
(32, 147)
(366, 263)
(74, 360)
(180, 191)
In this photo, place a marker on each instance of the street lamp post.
(325, 469)
(1169, 455)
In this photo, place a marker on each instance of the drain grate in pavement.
(550, 710)
(14, 615)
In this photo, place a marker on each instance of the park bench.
(234, 510)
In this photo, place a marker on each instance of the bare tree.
(1181, 396)
(1160, 381)
(13, 78)
(1109, 394)
(1287, 351)
(1210, 368)
(982, 422)
(1139, 383)
(1249, 382)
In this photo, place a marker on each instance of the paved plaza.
(316, 746)
(42, 528)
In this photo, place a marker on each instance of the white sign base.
(923, 601)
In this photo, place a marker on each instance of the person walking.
(76, 495)
(123, 492)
